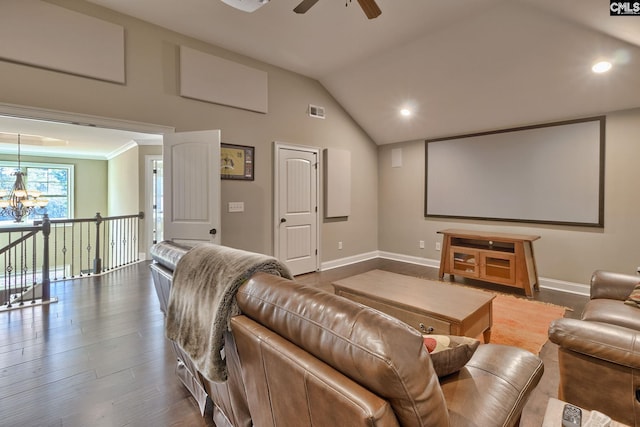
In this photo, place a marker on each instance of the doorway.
(296, 207)
(97, 133)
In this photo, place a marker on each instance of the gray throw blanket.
(202, 301)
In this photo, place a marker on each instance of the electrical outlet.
(437, 246)
(339, 245)
(421, 244)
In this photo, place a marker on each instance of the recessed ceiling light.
(405, 112)
(601, 67)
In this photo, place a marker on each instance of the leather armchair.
(599, 354)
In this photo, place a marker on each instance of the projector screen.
(551, 173)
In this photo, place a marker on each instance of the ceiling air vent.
(316, 111)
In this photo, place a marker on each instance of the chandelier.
(20, 202)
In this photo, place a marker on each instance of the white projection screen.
(551, 173)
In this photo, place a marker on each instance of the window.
(53, 181)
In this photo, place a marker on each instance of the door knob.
(213, 231)
(283, 220)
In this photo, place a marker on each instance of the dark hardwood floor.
(98, 357)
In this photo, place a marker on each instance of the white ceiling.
(462, 66)
(78, 141)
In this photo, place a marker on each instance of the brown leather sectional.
(599, 354)
(300, 356)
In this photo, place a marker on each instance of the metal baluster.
(118, 247)
(23, 266)
(73, 250)
(7, 274)
(33, 269)
(124, 241)
(80, 249)
(112, 243)
(89, 249)
(105, 264)
(64, 251)
(46, 281)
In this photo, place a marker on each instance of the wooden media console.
(502, 258)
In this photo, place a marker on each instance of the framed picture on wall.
(236, 162)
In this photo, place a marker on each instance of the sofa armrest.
(167, 254)
(610, 285)
(610, 343)
(493, 387)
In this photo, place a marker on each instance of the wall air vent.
(316, 111)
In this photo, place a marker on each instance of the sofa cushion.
(449, 353)
(634, 298)
(613, 312)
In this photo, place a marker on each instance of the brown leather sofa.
(301, 356)
(599, 354)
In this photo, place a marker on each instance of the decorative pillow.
(449, 353)
(634, 298)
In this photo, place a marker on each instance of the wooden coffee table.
(428, 306)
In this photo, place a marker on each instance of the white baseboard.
(563, 286)
(341, 262)
(545, 283)
(427, 262)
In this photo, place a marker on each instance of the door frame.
(81, 119)
(277, 146)
(148, 195)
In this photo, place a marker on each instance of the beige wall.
(563, 253)
(150, 96)
(123, 184)
(90, 182)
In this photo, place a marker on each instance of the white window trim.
(68, 166)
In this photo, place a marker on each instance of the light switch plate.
(236, 207)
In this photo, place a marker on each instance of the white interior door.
(296, 207)
(191, 163)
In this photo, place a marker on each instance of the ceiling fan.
(369, 7)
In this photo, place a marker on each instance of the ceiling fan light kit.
(246, 5)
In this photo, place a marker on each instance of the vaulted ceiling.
(461, 66)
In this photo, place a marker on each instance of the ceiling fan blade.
(370, 8)
(304, 6)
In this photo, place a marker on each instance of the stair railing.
(69, 248)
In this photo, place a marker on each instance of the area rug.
(521, 322)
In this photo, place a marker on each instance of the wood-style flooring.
(98, 357)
